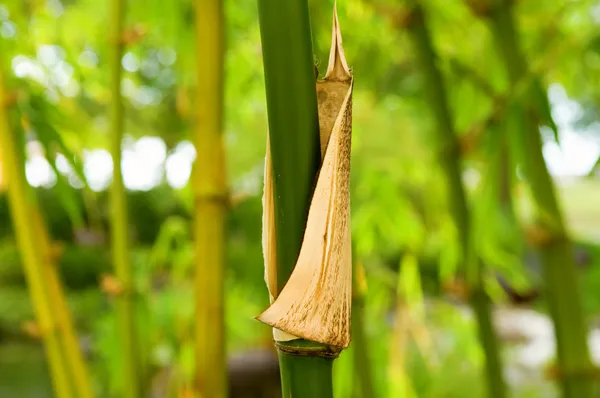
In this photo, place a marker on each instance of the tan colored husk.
(315, 303)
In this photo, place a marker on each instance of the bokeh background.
(55, 58)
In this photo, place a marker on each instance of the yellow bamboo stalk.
(210, 202)
(132, 383)
(74, 358)
(20, 208)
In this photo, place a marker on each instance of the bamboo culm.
(295, 157)
(132, 383)
(20, 203)
(211, 196)
(66, 329)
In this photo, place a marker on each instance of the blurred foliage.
(57, 53)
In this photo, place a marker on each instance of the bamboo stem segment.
(25, 231)
(73, 355)
(293, 122)
(210, 202)
(293, 141)
(307, 251)
(449, 160)
(362, 358)
(132, 387)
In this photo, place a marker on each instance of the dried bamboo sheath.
(315, 304)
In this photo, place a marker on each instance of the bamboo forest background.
(482, 88)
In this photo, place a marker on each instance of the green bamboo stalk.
(556, 251)
(362, 359)
(210, 202)
(74, 357)
(119, 219)
(449, 159)
(295, 155)
(20, 208)
(293, 121)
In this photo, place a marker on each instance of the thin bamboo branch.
(20, 208)
(211, 198)
(132, 387)
(556, 250)
(449, 159)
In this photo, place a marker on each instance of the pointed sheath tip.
(337, 69)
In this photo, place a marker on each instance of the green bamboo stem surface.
(295, 155)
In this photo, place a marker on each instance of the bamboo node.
(469, 142)
(322, 351)
(9, 99)
(112, 286)
(457, 288)
(540, 236)
(404, 18)
(482, 8)
(56, 251)
(133, 35)
(219, 198)
(32, 329)
(36, 330)
(554, 372)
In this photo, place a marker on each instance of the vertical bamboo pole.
(210, 202)
(295, 158)
(449, 159)
(119, 218)
(362, 358)
(20, 208)
(556, 250)
(74, 357)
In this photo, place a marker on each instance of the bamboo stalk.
(119, 223)
(20, 208)
(294, 146)
(74, 357)
(400, 384)
(210, 202)
(556, 249)
(293, 121)
(362, 358)
(449, 159)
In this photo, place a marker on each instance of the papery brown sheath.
(315, 303)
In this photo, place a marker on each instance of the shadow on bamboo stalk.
(211, 198)
(551, 238)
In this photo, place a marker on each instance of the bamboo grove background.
(132, 150)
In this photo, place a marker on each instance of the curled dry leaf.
(315, 303)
